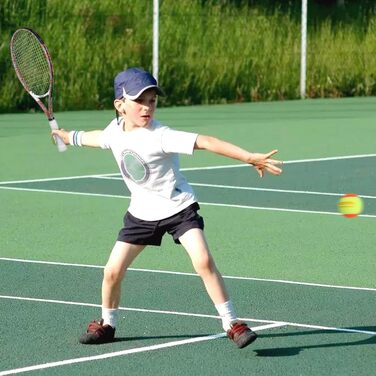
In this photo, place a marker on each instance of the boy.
(161, 198)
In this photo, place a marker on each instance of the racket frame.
(48, 111)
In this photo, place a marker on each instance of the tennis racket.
(33, 66)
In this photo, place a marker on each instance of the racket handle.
(59, 142)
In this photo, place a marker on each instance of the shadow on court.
(296, 350)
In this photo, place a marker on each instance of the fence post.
(155, 38)
(303, 52)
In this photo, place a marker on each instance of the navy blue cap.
(133, 82)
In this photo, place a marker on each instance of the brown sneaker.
(241, 334)
(97, 333)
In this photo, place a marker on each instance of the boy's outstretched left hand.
(264, 162)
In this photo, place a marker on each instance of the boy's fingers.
(271, 153)
(274, 170)
(274, 161)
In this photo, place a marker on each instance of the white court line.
(64, 192)
(114, 176)
(279, 209)
(201, 202)
(251, 188)
(56, 179)
(192, 168)
(269, 325)
(191, 274)
(189, 314)
(284, 162)
(128, 352)
(111, 354)
(273, 190)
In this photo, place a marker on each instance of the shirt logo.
(133, 167)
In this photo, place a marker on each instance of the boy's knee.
(204, 264)
(112, 274)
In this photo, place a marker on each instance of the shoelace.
(95, 325)
(238, 328)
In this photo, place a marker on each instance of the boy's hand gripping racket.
(33, 66)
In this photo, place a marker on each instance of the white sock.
(227, 313)
(110, 316)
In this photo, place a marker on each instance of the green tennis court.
(299, 273)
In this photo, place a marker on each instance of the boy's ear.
(117, 104)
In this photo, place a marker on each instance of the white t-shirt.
(149, 163)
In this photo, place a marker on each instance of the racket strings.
(31, 63)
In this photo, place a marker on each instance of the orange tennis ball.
(350, 205)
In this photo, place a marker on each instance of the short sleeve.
(178, 141)
(107, 135)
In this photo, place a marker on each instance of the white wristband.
(75, 138)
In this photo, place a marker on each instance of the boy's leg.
(195, 244)
(120, 259)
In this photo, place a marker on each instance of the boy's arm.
(259, 161)
(91, 138)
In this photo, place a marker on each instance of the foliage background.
(211, 51)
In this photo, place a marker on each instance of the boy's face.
(138, 112)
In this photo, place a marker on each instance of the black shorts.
(137, 231)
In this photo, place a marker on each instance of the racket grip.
(59, 142)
